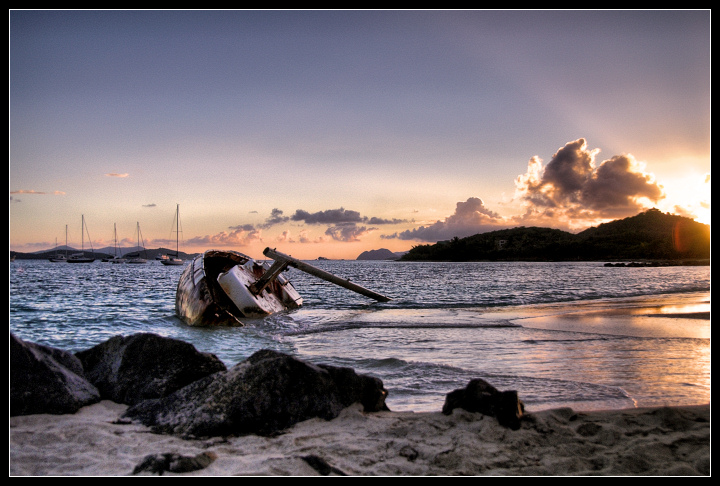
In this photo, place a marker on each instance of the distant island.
(650, 235)
(381, 254)
(150, 254)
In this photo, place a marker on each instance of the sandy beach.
(660, 441)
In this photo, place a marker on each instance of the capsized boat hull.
(213, 290)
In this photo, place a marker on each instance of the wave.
(348, 326)
(422, 386)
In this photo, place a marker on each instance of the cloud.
(375, 220)
(276, 217)
(572, 191)
(243, 227)
(239, 236)
(114, 174)
(573, 187)
(470, 217)
(340, 216)
(343, 225)
(331, 216)
(30, 191)
(348, 232)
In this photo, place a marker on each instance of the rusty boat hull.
(213, 290)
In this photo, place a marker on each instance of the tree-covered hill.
(651, 235)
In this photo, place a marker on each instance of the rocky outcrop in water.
(264, 394)
(480, 396)
(47, 380)
(143, 366)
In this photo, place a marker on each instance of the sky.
(329, 133)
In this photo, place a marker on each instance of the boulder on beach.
(268, 392)
(480, 396)
(46, 380)
(143, 366)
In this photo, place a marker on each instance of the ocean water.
(539, 328)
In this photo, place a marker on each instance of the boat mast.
(177, 231)
(83, 229)
(143, 245)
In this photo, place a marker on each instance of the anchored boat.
(222, 287)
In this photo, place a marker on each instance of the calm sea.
(512, 324)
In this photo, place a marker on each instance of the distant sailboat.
(80, 257)
(137, 258)
(116, 258)
(175, 260)
(59, 257)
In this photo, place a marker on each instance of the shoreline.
(643, 441)
(673, 441)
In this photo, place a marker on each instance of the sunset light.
(331, 133)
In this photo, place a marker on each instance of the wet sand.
(681, 316)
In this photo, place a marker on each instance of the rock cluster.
(173, 388)
(266, 393)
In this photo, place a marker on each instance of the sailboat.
(80, 257)
(59, 257)
(137, 258)
(116, 258)
(175, 260)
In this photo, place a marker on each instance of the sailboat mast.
(177, 231)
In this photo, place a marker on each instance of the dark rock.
(170, 462)
(46, 380)
(480, 396)
(143, 366)
(353, 388)
(264, 394)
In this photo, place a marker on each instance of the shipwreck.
(221, 287)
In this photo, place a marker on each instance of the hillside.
(381, 254)
(651, 235)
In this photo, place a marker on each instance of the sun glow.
(689, 196)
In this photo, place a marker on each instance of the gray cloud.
(347, 232)
(243, 227)
(340, 216)
(571, 185)
(276, 217)
(331, 216)
(470, 217)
